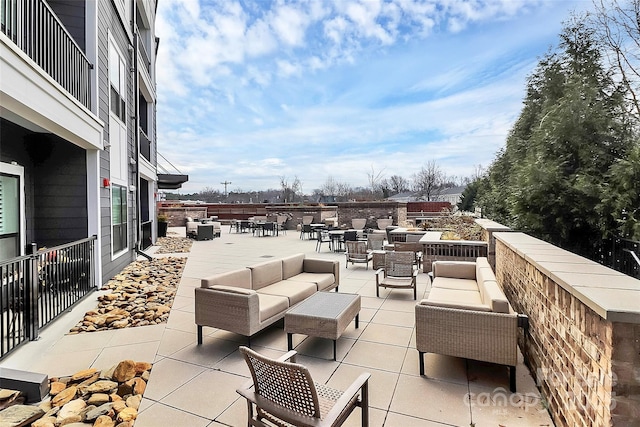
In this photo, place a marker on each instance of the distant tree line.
(570, 169)
(427, 184)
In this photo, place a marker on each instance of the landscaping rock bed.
(142, 294)
(108, 398)
(170, 245)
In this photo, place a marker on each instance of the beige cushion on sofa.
(265, 273)
(455, 296)
(295, 291)
(270, 305)
(292, 265)
(238, 278)
(454, 269)
(321, 280)
(494, 297)
(460, 284)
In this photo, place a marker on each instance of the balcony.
(36, 30)
(145, 145)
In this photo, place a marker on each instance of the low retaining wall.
(583, 343)
(371, 211)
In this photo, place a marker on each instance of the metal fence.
(38, 32)
(620, 254)
(39, 287)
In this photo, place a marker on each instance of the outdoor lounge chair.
(357, 252)
(191, 227)
(413, 247)
(375, 242)
(284, 394)
(398, 273)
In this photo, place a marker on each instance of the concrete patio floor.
(193, 385)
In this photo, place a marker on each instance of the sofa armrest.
(312, 265)
(455, 304)
(486, 336)
(235, 309)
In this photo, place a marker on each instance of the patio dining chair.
(306, 230)
(284, 394)
(357, 252)
(269, 228)
(398, 273)
(322, 236)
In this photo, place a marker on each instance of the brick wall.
(371, 211)
(588, 368)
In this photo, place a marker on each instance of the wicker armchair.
(284, 394)
(357, 252)
(375, 242)
(398, 273)
(414, 247)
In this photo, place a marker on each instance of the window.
(118, 83)
(119, 218)
(9, 216)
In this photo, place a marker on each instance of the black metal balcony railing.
(145, 145)
(38, 32)
(39, 287)
(145, 56)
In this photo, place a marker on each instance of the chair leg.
(364, 404)
(512, 378)
(199, 334)
(421, 357)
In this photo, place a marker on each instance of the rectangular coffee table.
(322, 315)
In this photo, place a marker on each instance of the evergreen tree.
(551, 179)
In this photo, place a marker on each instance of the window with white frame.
(119, 218)
(118, 83)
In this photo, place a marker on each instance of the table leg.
(289, 341)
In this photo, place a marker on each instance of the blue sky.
(253, 91)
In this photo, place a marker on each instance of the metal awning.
(167, 181)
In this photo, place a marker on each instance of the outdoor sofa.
(247, 300)
(467, 315)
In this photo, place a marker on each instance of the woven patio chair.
(375, 242)
(284, 394)
(398, 273)
(357, 252)
(413, 247)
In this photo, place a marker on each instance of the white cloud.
(250, 91)
(289, 24)
(286, 68)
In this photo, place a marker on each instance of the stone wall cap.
(610, 293)
(490, 225)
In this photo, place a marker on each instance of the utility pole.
(225, 183)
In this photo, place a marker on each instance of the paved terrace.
(194, 386)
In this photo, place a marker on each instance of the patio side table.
(323, 315)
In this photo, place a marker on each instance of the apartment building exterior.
(77, 127)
